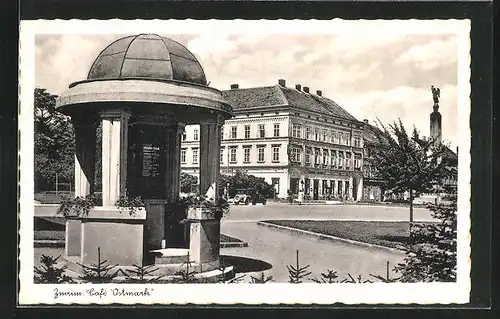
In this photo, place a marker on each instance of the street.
(278, 247)
(238, 213)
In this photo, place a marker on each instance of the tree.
(432, 253)
(187, 182)
(241, 180)
(54, 142)
(409, 163)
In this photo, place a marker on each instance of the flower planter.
(118, 234)
(204, 243)
(200, 213)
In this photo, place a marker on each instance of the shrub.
(432, 252)
(48, 273)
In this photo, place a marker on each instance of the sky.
(372, 75)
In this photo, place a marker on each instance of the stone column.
(204, 241)
(173, 159)
(178, 143)
(114, 155)
(85, 148)
(210, 156)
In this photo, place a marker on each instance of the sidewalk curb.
(334, 238)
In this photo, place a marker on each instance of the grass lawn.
(388, 234)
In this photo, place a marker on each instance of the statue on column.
(436, 92)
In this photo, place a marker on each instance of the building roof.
(147, 56)
(280, 96)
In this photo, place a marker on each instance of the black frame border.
(481, 122)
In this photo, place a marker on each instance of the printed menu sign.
(150, 160)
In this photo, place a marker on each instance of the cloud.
(61, 60)
(431, 55)
(373, 72)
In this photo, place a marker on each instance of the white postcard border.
(273, 293)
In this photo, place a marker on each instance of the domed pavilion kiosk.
(142, 90)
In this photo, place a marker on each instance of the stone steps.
(170, 256)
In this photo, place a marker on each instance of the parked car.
(242, 197)
(246, 196)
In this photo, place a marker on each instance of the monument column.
(210, 156)
(85, 148)
(114, 155)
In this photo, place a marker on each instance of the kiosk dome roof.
(147, 56)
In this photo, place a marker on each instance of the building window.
(221, 155)
(296, 130)
(333, 157)
(341, 159)
(195, 156)
(221, 133)
(234, 132)
(335, 137)
(262, 131)
(347, 139)
(276, 130)
(232, 155)
(308, 133)
(348, 160)
(184, 135)
(308, 156)
(326, 156)
(247, 131)
(260, 154)
(316, 157)
(296, 152)
(196, 136)
(276, 154)
(246, 155)
(324, 135)
(357, 141)
(183, 156)
(357, 161)
(317, 134)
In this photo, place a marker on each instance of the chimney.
(366, 121)
(319, 93)
(298, 87)
(457, 150)
(234, 86)
(282, 82)
(306, 89)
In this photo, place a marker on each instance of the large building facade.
(290, 137)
